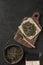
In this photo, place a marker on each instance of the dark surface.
(11, 15)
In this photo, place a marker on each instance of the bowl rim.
(11, 46)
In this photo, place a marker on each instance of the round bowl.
(13, 54)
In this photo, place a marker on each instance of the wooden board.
(22, 39)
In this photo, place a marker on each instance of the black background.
(11, 14)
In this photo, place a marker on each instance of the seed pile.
(29, 29)
(13, 54)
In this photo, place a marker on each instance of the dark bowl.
(13, 54)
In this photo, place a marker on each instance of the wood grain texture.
(19, 36)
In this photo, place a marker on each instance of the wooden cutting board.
(22, 39)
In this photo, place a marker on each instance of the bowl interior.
(13, 54)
